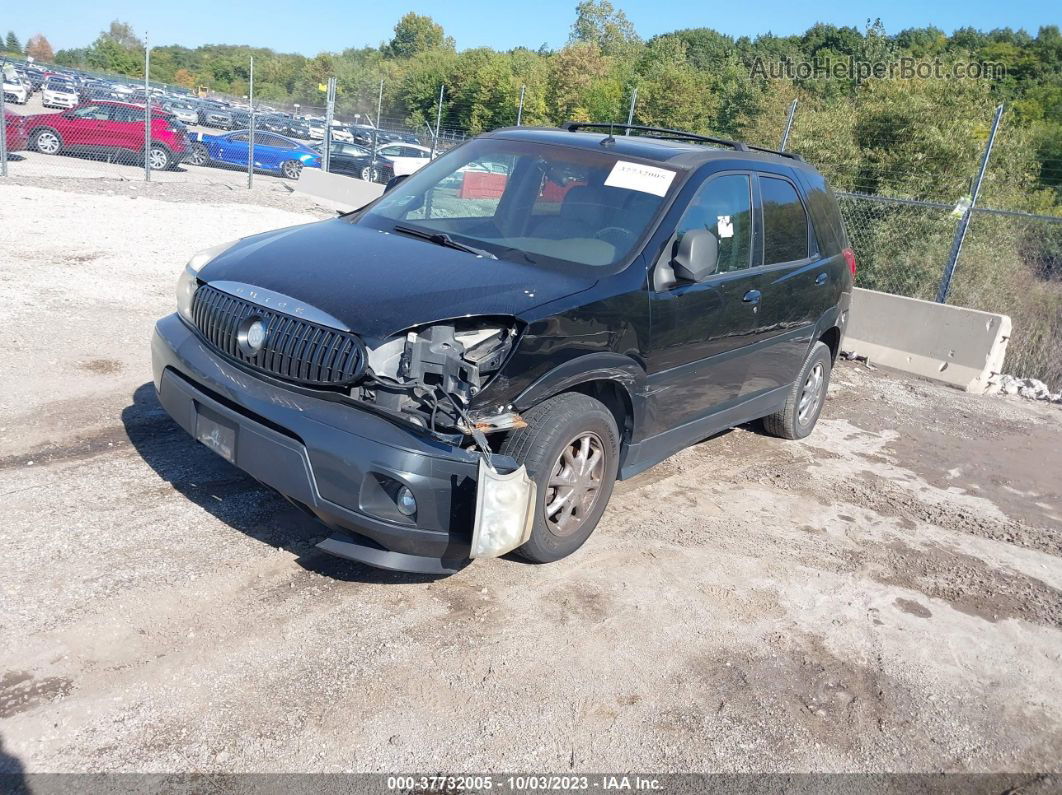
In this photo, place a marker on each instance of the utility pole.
(630, 114)
(3, 122)
(438, 121)
(788, 125)
(376, 126)
(520, 107)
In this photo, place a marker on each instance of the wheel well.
(616, 400)
(832, 338)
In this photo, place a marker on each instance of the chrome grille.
(295, 349)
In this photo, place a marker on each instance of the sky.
(330, 25)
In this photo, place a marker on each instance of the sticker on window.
(639, 177)
(724, 226)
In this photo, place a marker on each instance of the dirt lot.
(885, 596)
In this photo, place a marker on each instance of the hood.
(380, 284)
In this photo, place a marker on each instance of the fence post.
(438, 122)
(964, 222)
(630, 113)
(788, 125)
(330, 109)
(250, 127)
(147, 110)
(520, 107)
(376, 125)
(3, 122)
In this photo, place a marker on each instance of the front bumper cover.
(327, 455)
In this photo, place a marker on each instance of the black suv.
(466, 365)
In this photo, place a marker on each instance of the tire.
(159, 158)
(561, 433)
(199, 156)
(291, 169)
(806, 397)
(46, 141)
(370, 174)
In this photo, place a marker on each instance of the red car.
(16, 131)
(109, 129)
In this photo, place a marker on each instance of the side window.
(723, 206)
(91, 112)
(239, 138)
(785, 223)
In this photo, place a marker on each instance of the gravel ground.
(884, 596)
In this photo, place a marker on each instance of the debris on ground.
(1028, 388)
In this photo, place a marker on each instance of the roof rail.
(672, 135)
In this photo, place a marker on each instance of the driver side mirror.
(394, 181)
(697, 257)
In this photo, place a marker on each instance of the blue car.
(272, 152)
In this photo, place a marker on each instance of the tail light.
(849, 257)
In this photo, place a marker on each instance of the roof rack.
(673, 135)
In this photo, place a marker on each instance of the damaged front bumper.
(345, 465)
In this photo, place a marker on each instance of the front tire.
(806, 397)
(571, 450)
(46, 141)
(159, 158)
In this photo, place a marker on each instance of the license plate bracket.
(216, 432)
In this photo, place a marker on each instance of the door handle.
(751, 297)
(822, 279)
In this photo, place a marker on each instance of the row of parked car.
(115, 130)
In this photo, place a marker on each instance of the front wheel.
(47, 142)
(159, 158)
(804, 402)
(571, 449)
(291, 169)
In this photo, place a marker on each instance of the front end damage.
(428, 376)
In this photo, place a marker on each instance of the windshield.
(531, 202)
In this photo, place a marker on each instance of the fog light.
(504, 512)
(407, 503)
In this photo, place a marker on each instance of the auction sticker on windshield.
(640, 177)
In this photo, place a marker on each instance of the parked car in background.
(355, 160)
(109, 129)
(15, 88)
(185, 111)
(59, 93)
(404, 158)
(213, 115)
(15, 127)
(272, 152)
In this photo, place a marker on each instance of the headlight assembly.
(188, 281)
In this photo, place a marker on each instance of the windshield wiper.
(443, 239)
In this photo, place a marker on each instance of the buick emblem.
(252, 336)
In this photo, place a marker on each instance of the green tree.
(415, 33)
(599, 22)
(12, 43)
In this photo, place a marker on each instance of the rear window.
(785, 223)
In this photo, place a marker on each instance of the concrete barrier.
(959, 346)
(336, 191)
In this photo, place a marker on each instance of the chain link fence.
(920, 238)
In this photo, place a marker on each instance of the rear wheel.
(291, 169)
(47, 142)
(571, 450)
(370, 174)
(159, 158)
(804, 402)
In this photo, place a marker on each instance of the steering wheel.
(616, 236)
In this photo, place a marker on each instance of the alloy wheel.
(292, 169)
(811, 394)
(48, 142)
(158, 159)
(574, 484)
